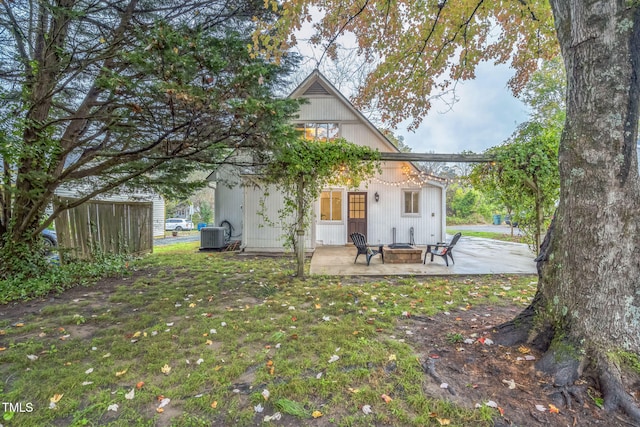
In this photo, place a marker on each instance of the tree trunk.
(300, 230)
(589, 291)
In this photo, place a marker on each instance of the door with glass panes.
(357, 213)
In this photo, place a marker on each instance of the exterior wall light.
(376, 196)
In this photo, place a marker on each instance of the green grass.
(230, 327)
(489, 235)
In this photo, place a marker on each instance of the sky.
(485, 115)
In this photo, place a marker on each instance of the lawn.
(190, 338)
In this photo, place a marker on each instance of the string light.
(415, 179)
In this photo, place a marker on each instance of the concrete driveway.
(472, 255)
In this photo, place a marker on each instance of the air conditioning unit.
(212, 238)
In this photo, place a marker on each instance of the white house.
(399, 205)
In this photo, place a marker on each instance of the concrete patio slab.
(473, 255)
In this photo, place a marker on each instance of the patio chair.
(360, 243)
(442, 249)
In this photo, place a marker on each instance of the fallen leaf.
(20, 325)
(492, 404)
(137, 334)
(541, 408)
(366, 409)
(386, 398)
(140, 385)
(265, 393)
(56, 398)
(164, 402)
(159, 410)
(274, 417)
(316, 414)
(553, 409)
(166, 369)
(208, 342)
(113, 407)
(121, 373)
(392, 357)
(214, 404)
(444, 421)
(87, 383)
(334, 358)
(258, 408)
(32, 357)
(131, 394)
(510, 383)
(88, 371)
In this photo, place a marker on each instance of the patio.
(473, 255)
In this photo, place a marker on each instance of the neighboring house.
(386, 209)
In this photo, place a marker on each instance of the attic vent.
(316, 89)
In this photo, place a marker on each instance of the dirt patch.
(462, 365)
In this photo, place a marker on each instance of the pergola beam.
(437, 157)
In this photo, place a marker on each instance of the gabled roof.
(316, 84)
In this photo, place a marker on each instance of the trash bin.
(201, 225)
(497, 219)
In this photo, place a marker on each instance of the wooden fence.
(106, 226)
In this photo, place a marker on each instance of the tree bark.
(590, 279)
(589, 292)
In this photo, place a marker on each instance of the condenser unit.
(212, 238)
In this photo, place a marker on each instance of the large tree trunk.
(589, 289)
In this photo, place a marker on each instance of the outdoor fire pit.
(402, 253)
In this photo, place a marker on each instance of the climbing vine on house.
(299, 170)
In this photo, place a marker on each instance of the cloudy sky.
(485, 115)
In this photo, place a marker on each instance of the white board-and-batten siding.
(258, 235)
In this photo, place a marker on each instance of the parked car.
(49, 239)
(178, 224)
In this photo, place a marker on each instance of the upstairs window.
(319, 131)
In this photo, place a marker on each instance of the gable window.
(411, 202)
(331, 206)
(319, 131)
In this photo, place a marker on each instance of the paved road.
(192, 237)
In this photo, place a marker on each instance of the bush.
(57, 278)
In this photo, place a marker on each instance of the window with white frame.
(331, 205)
(319, 131)
(411, 202)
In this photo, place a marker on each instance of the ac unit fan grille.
(212, 238)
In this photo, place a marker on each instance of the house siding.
(325, 109)
(229, 201)
(257, 235)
